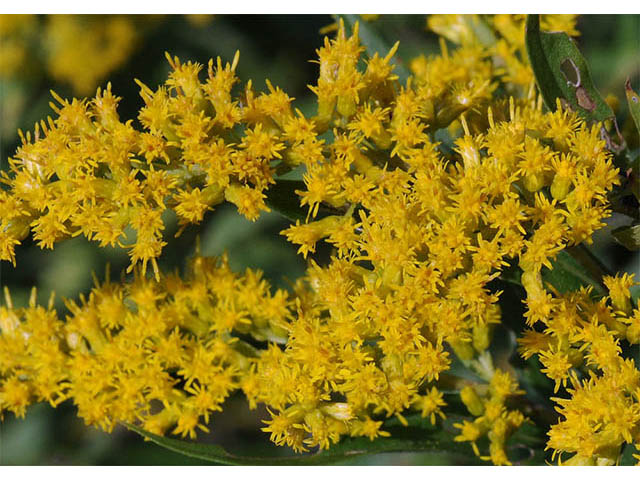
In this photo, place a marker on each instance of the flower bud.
(472, 401)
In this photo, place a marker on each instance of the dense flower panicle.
(160, 353)
(603, 412)
(455, 220)
(419, 232)
(89, 173)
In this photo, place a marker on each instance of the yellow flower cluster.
(88, 173)
(99, 44)
(160, 353)
(579, 334)
(79, 50)
(435, 232)
(502, 38)
(493, 418)
(419, 232)
(14, 30)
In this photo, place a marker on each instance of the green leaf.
(635, 354)
(629, 236)
(634, 103)
(626, 457)
(403, 439)
(527, 445)
(461, 370)
(569, 274)
(562, 72)
(572, 268)
(375, 43)
(282, 198)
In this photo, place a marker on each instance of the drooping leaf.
(403, 439)
(628, 236)
(633, 99)
(375, 43)
(562, 72)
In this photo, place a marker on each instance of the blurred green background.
(274, 47)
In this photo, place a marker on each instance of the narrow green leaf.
(633, 99)
(562, 72)
(403, 439)
(282, 198)
(568, 274)
(571, 269)
(538, 386)
(626, 457)
(628, 236)
(540, 63)
(375, 43)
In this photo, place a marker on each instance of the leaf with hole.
(634, 103)
(562, 72)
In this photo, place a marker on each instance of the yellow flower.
(556, 367)
(430, 405)
(619, 292)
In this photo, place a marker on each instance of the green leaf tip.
(628, 236)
